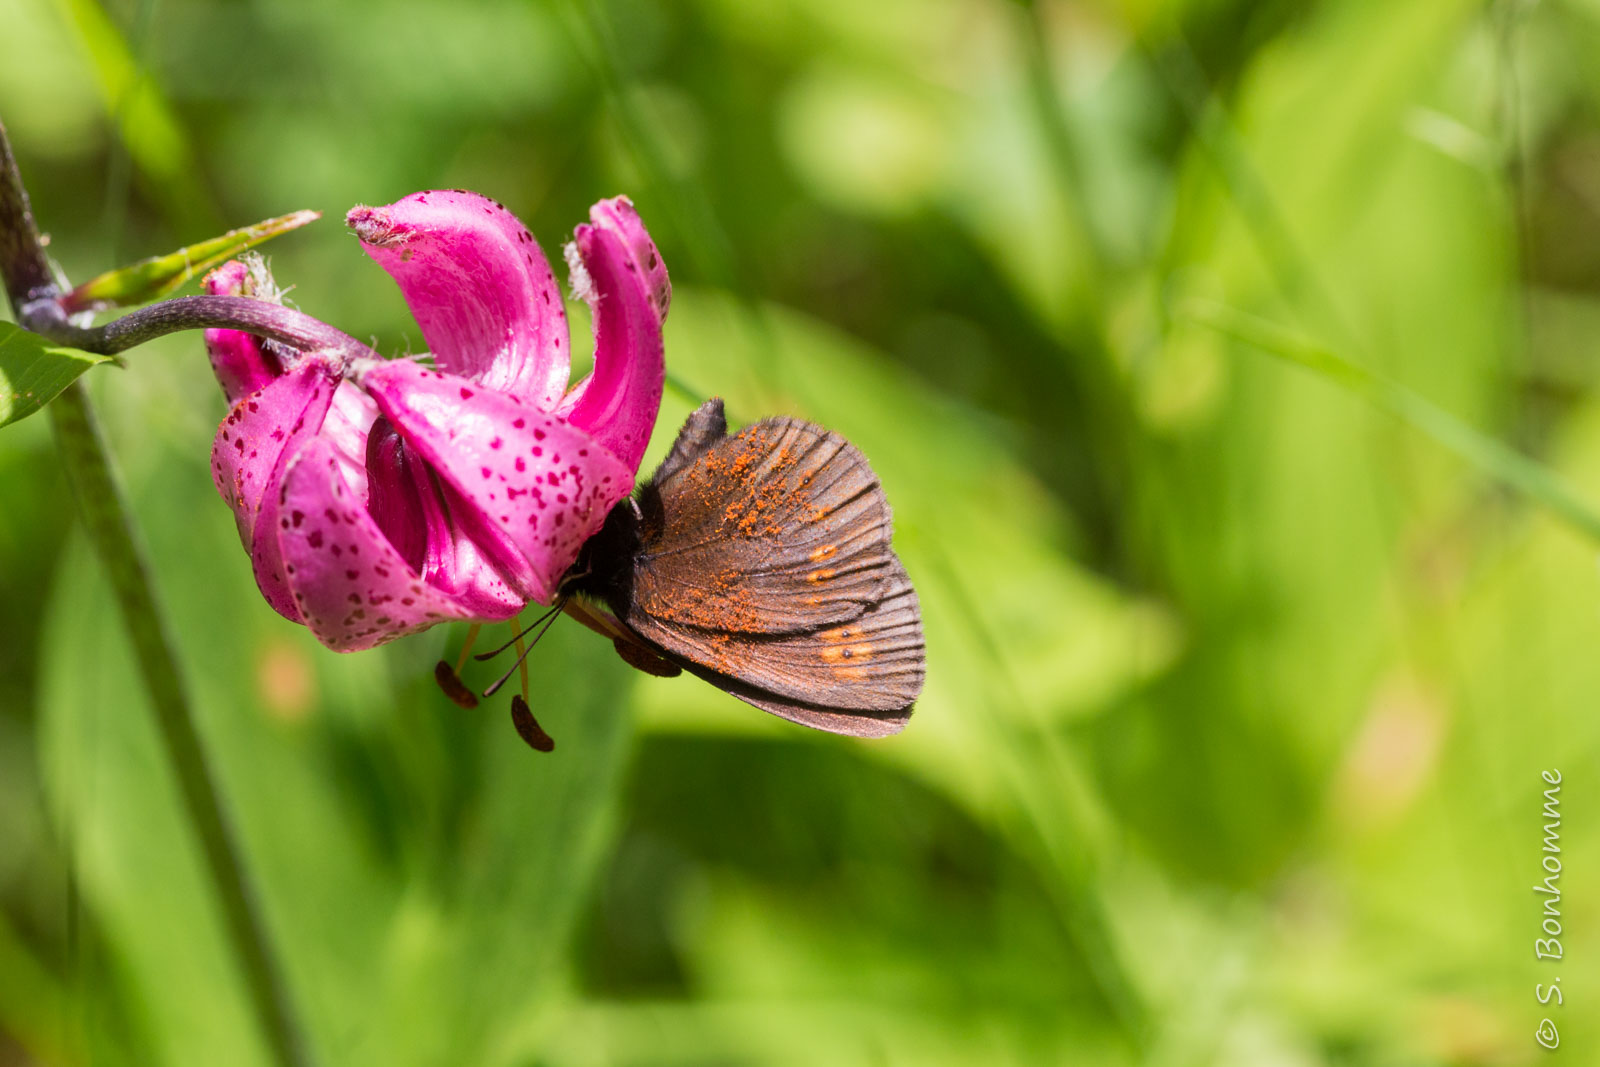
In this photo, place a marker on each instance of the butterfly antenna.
(524, 632)
(550, 615)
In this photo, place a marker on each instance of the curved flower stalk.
(378, 497)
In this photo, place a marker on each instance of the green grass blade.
(156, 277)
(1490, 456)
(33, 371)
(149, 127)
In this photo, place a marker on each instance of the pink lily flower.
(379, 497)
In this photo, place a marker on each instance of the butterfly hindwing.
(859, 675)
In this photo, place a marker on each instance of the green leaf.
(154, 278)
(33, 371)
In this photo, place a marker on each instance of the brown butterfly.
(760, 562)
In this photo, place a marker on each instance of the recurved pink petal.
(618, 215)
(625, 283)
(479, 286)
(538, 486)
(348, 582)
(423, 520)
(241, 363)
(253, 443)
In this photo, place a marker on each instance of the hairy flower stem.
(259, 317)
(23, 265)
(31, 284)
(36, 293)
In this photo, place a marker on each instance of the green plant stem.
(33, 288)
(109, 526)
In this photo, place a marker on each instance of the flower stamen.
(522, 662)
(466, 646)
(449, 678)
(544, 622)
(520, 632)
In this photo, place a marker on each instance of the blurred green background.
(1238, 693)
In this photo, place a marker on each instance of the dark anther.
(453, 688)
(528, 727)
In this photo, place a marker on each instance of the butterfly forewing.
(705, 426)
(761, 563)
(780, 528)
